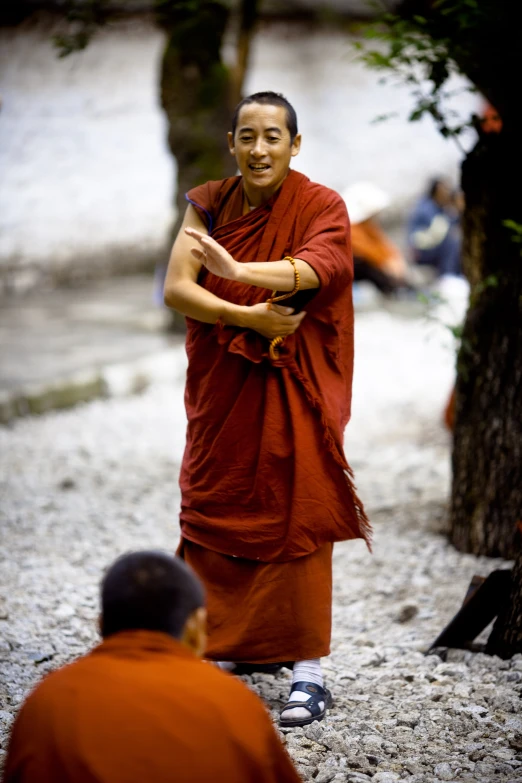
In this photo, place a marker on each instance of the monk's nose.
(259, 148)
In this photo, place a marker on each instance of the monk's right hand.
(273, 320)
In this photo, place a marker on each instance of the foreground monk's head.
(156, 592)
(264, 139)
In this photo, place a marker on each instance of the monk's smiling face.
(263, 149)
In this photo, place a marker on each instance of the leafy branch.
(516, 231)
(83, 19)
(422, 51)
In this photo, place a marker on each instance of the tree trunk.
(486, 502)
(247, 22)
(195, 94)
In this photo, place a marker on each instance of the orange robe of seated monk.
(370, 243)
(266, 488)
(140, 708)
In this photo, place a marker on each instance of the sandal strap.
(309, 687)
(317, 694)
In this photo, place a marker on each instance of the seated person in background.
(375, 257)
(141, 707)
(434, 230)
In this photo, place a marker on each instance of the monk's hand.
(213, 256)
(273, 320)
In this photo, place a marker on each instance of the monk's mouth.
(259, 169)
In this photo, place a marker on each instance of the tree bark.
(247, 22)
(195, 94)
(486, 502)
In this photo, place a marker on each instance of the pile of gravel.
(81, 487)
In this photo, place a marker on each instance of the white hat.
(363, 200)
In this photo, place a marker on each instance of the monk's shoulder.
(213, 193)
(52, 687)
(318, 198)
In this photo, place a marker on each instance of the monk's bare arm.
(183, 293)
(278, 275)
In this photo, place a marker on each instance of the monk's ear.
(296, 145)
(231, 145)
(195, 632)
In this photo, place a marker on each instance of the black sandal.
(317, 694)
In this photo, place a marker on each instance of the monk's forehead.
(261, 117)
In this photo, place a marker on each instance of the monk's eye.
(245, 139)
(273, 139)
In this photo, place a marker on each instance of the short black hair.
(269, 98)
(149, 591)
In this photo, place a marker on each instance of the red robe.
(264, 476)
(141, 708)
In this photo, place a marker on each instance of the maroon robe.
(264, 477)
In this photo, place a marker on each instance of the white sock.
(304, 671)
(308, 671)
(225, 666)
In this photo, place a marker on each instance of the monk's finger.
(193, 232)
(282, 310)
(197, 235)
(198, 254)
(213, 247)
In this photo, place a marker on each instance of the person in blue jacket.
(434, 235)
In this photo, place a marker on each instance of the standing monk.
(266, 488)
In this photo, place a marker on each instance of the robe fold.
(140, 708)
(264, 476)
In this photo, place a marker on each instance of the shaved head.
(149, 591)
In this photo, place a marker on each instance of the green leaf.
(384, 117)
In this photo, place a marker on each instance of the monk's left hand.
(213, 256)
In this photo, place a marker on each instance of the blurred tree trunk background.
(198, 90)
(483, 40)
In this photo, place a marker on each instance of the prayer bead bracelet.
(274, 354)
(297, 284)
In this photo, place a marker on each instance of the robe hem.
(280, 658)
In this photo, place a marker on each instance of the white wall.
(86, 175)
(337, 99)
(86, 178)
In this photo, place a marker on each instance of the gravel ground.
(80, 487)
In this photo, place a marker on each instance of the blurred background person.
(490, 120)
(375, 257)
(142, 706)
(434, 235)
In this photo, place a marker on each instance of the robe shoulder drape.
(141, 708)
(264, 475)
